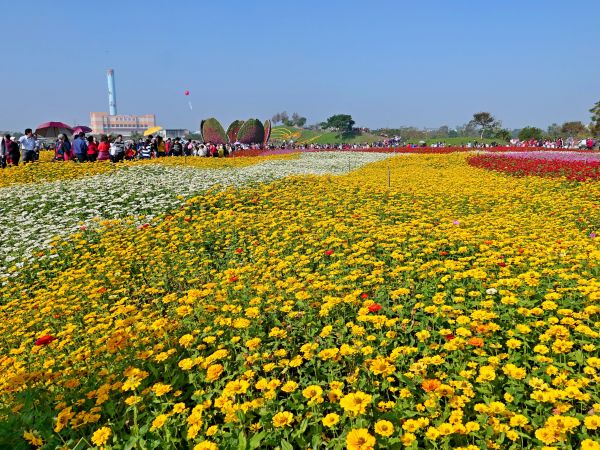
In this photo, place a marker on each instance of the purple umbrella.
(53, 129)
(81, 129)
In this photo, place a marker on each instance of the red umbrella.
(81, 129)
(53, 129)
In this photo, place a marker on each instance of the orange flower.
(475, 342)
(430, 385)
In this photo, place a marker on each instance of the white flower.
(491, 291)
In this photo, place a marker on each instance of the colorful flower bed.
(445, 308)
(45, 170)
(31, 215)
(417, 150)
(574, 166)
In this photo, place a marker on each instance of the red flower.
(502, 264)
(443, 253)
(364, 295)
(45, 340)
(449, 337)
(233, 279)
(238, 250)
(374, 308)
(329, 252)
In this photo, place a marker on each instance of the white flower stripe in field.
(32, 214)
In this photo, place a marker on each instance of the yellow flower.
(589, 444)
(518, 420)
(253, 344)
(186, 364)
(432, 433)
(384, 428)
(547, 435)
(186, 340)
(312, 392)
(206, 445)
(330, 419)
(133, 399)
(355, 403)
(360, 439)
(158, 422)
(407, 439)
(592, 422)
(161, 389)
(289, 386)
(283, 419)
(178, 408)
(214, 372)
(100, 436)
(131, 384)
(33, 439)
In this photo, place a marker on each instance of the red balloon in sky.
(187, 92)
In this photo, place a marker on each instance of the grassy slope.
(317, 137)
(280, 133)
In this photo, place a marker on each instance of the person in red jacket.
(92, 149)
(103, 149)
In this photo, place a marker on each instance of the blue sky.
(385, 62)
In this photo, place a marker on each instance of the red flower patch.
(45, 340)
(374, 308)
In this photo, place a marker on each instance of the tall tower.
(112, 95)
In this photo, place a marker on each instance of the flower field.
(348, 300)
(574, 166)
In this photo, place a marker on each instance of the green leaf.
(285, 445)
(242, 442)
(256, 439)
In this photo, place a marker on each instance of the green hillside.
(301, 136)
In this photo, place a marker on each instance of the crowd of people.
(117, 149)
(84, 148)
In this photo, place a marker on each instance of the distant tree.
(575, 128)
(529, 133)
(300, 122)
(276, 118)
(595, 125)
(193, 137)
(485, 121)
(453, 133)
(441, 132)
(283, 117)
(295, 117)
(554, 131)
(503, 135)
(340, 122)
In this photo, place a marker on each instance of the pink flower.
(456, 222)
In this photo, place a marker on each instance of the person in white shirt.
(28, 144)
